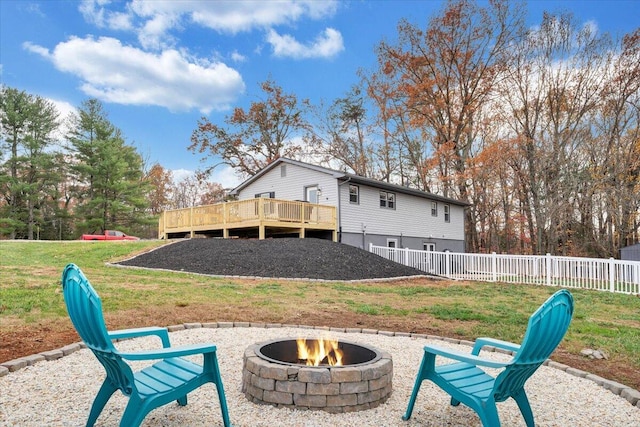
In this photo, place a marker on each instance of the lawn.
(33, 316)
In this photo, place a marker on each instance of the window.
(283, 171)
(447, 216)
(428, 246)
(434, 208)
(354, 194)
(387, 200)
(392, 243)
(266, 195)
(312, 194)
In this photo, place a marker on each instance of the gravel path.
(281, 258)
(60, 392)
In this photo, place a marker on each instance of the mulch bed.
(280, 258)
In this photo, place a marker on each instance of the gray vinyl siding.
(411, 216)
(362, 241)
(292, 186)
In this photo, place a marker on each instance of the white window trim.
(357, 187)
(386, 200)
(306, 193)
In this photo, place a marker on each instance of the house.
(630, 253)
(368, 211)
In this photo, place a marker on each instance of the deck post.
(261, 233)
(193, 233)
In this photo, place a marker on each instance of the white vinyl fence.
(586, 273)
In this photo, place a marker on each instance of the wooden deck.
(258, 217)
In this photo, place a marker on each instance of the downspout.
(340, 209)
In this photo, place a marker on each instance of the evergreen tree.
(110, 188)
(27, 185)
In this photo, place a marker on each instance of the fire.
(319, 351)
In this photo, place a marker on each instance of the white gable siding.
(292, 186)
(411, 217)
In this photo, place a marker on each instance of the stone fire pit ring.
(336, 389)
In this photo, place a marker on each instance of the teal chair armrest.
(162, 333)
(186, 350)
(481, 342)
(463, 357)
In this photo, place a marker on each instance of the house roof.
(344, 177)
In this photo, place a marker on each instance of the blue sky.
(158, 66)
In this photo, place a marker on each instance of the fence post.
(447, 264)
(494, 266)
(370, 247)
(612, 276)
(548, 269)
(406, 256)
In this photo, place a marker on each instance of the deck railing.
(572, 272)
(247, 213)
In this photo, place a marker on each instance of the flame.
(317, 351)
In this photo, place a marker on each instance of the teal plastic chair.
(466, 383)
(171, 378)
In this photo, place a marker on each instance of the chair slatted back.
(547, 326)
(85, 310)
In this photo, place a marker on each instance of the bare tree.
(447, 73)
(549, 88)
(256, 137)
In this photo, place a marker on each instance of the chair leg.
(416, 387)
(106, 391)
(454, 402)
(220, 390)
(134, 413)
(182, 401)
(523, 403)
(412, 400)
(488, 414)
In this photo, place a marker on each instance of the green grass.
(30, 293)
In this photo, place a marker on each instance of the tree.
(254, 138)
(444, 75)
(549, 89)
(28, 123)
(110, 189)
(342, 134)
(213, 193)
(161, 181)
(615, 154)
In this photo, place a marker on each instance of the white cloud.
(326, 45)
(223, 175)
(181, 174)
(234, 17)
(238, 57)
(97, 13)
(154, 20)
(42, 51)
(123, 74)
(66, 110)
